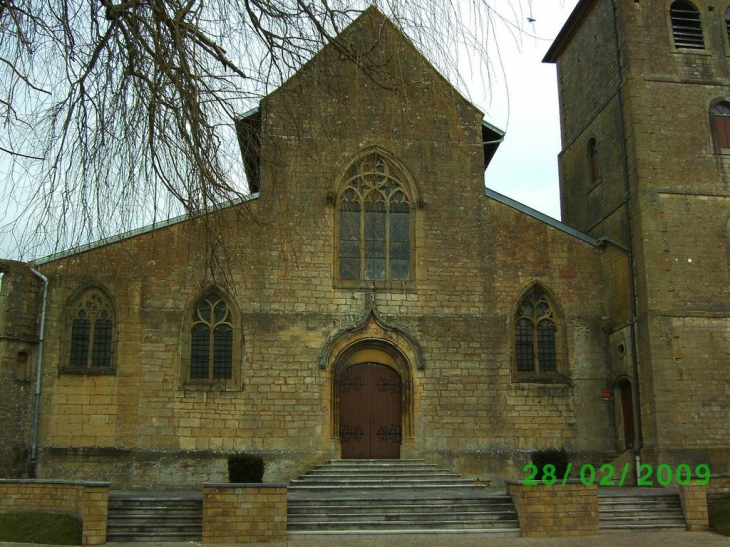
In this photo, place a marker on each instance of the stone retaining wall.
(557, 510)
(694, 506)
(244, 513)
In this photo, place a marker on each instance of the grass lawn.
(719, 512)
(40, 528)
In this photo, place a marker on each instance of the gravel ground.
(643, 539)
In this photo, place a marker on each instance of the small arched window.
(211, 340)
(727, 24)
(595, 172)
(91, 334)
(686, 26)
(721, 123)
(374, 223)
(537, 340)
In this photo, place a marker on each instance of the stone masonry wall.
(557, 510)
(694, 506)
(677, 205)
(244, 513)
(19, 315)
(472, 259)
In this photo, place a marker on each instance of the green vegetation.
(558, 458)
(40, 528)
(245, 468)
(719, 512)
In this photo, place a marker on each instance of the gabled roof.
(369, 26)
(542, 217)
(136, 232)
(367, 30)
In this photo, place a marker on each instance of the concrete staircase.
(394, 497)
(154, 517)
(639, 509)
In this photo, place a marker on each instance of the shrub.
(558, 458)
(245, 468)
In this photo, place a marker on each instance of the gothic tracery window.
(536, 335)
(374, 223)
(211, 340)
(91, 335)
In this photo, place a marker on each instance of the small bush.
(558, 458)
(245, 468)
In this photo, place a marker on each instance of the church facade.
(371, 300)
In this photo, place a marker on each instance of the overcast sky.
(524, 103)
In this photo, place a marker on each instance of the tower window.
(721, 119)
(686, 26)
(593, 161)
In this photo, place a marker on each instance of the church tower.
(645, 167)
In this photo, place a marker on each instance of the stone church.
(370, 299)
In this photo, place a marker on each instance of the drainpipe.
(629, 247)
(39, 368)
(604, 241)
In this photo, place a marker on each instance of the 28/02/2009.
(664, 475)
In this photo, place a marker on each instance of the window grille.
(211, 345)
(92, 331)
(536, 349)
(374, 224)
(686, 26)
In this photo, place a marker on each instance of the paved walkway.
(643, 539)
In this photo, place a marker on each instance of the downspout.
(629, 248)
(39, 369)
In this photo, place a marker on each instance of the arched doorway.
(370, 416)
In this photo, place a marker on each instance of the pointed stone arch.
(222, 374)
(375, 222)
(371, 339)
(537, 328)
(625, 413)
(90, 327)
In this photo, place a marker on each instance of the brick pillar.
(694, 506)
(94, 508)
(244, 513)
(557, 510)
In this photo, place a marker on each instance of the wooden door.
(370, 412)
(627, 409)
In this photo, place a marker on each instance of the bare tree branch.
(116, 111)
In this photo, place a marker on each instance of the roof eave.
(570, 25)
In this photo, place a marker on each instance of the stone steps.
(394, 497)
(647, 511)
(154, 517)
